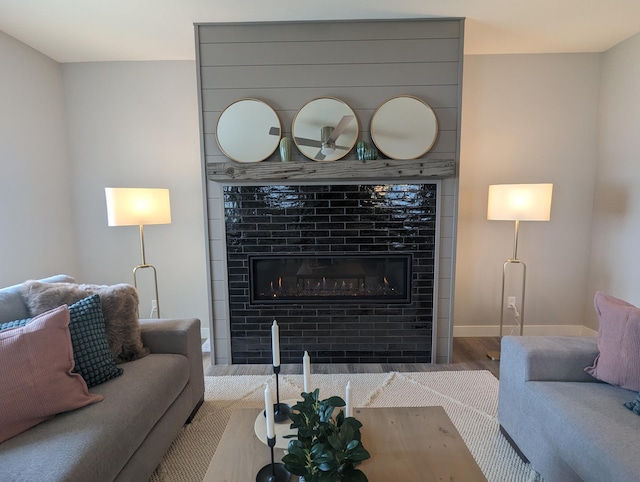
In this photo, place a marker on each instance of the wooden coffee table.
(416, 444)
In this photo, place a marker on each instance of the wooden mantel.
(379, 169)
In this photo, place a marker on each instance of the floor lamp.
(139, 206)
(517, 202)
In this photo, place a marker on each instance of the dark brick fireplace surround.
(332, 219)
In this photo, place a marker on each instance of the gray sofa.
(123, 437)
(570, 426)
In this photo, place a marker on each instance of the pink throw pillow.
(35, 379)
(618, 362)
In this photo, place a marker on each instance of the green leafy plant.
(327, 448)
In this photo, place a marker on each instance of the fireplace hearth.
(330, 278)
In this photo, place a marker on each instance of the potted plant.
(327, 448)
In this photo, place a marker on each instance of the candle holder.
(280, 410)
(273, 472)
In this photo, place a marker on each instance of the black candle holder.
(273, 472)
(280, 410)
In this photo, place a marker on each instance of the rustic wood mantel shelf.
(379, 169)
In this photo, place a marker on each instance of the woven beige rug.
(470, 399)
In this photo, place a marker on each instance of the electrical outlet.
(511, 302)
(154, 305)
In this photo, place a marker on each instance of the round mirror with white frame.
(248, 131)
(325, 129)
(404, 127)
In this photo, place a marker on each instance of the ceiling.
(106, 30)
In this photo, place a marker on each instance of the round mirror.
(325, 129)
(404, 127)
(248, 131)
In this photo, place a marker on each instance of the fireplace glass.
(336, 278)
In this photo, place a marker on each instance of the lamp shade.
(519, 202)
(137, 206)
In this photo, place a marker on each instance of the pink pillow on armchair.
(36, 380)
(618, 362)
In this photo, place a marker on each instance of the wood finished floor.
(468, 354)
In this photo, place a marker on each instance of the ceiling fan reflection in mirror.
(325, 129)
(327, 142)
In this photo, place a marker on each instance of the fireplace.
(330, 278)
(348, 271)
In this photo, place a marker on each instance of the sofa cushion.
(101, 438)
(119, 305)
(93, 358)
(13, 307)
(588, 426)
(618, 362)
(36, 381)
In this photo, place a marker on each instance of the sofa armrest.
(181, 337)
(548, 358)
(537, 358)
(170, 336)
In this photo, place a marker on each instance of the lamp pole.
(144, 265)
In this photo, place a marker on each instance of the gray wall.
(66, 132)
(615, 264)
(527, 119)
(36, 219)
(362, 63)
(135, 124)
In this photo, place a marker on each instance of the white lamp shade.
(137, 206)
(519, 202)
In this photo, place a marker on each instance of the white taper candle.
(306, 371)
(275, 343)
(347, 397)
(268, 410)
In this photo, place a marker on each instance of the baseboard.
(534, 330)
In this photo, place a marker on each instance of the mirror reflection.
(248, 131)
(404, 127)
(325, 129)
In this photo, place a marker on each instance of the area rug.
(470, 399)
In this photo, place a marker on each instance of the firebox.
(290, 279)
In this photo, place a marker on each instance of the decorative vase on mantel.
(285, 149)
(366, 153)
(361, 148)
